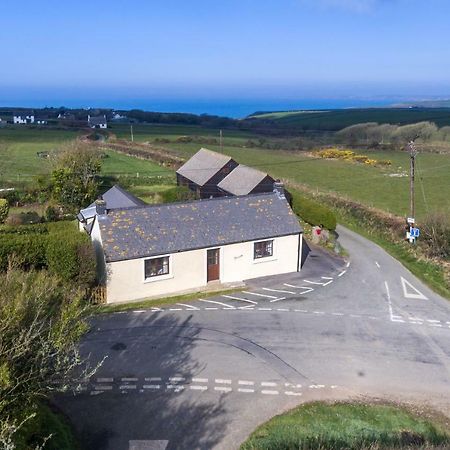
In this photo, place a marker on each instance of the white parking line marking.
(216, 303)
(283, 309)
(376, 263)
(221, 381)
(313, 282)
(318, 312)
(348, 264)
(198, 388)
(258, 295)
(433, 321)
(199, 380)
(277, 299)
(337, 314)
(139, 311)
(268, 384)
(105, 380)
(176, 379)
(103, 388)
(127, 386)
(189, 306)
(175, 309)
(129, 379)
(246, 382)
(316, 386)
(211, 308)
(300, 310)
(397, 320)
(293, 393)
(326, 278)
(175, 387)
(342, 273)
(294, 386)
(278, 290)
(415, 292)
(268, 392)
(327, 283)
(223, 389)
(308, 289)
(246, 390)
(241, 299)
(152, 386)
(153, 379)
(264, 309)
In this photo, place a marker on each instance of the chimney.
(278, 188)
(100, 207)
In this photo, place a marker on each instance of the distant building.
(244, 180)
(23, 117)
(97, 121)
(67, 116)
(204, 171)
(41, 120)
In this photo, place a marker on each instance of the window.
(263, 249)
(156, 266)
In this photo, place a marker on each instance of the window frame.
(263, 256)
(160, 276)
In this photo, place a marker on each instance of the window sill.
(265, 259)
(158, 278)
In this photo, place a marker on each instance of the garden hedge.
(312, 212)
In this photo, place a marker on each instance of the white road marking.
(258, 295)
(175, 387)
(313, 282)
(264, 309)
(216, 303)
(283, 309)
(129, 379)
(318, 312)
(188, 306)
(241, 299)
(327, 283)
(337, 314)
(389, 300)
(223, 389)
(268, 384)
(175, 309)
(198, 388)
(105, 380)
(293, 393)
(433, 321)
(435, 325)
(199, 380)
(153, 379)
(348, 264)
(139, 311)
(127, 386)
(221, 381)
(316, 386)
(326, 278)
(376, 263)
(268, 392)
(176, 379)
(415, 292)
(277, 299)
(278, 290)
(308, 289)
(342, 273)
(246, 390)
(156, 309)
(291, 385)
(152, 386)
(103, 388)
(300, 310)
(397, 320)
(246, 382)
(211, 308)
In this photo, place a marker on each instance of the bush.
(177, 194)
(436, 234)
(23, 218)
(4, 209)
(312, 212)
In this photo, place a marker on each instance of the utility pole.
(221, 141)
(412, 158)
(131, 132)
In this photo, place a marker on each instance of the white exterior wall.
(188, 270)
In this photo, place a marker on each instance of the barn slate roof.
(242, 180)
(175, 227)
(116, 197)
(202, 166)
(97, 120)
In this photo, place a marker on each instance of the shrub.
(436, 234)
(177, 194)
(4, 209)
(23, 218)
(51, 214)
(28, 250)
(312, 212)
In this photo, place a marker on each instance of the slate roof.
(203, 166)
(162, 229)
(97, 120)
(116, 197)
(242, 180)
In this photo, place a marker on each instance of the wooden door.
(213, 264)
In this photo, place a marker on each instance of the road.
(203, 375)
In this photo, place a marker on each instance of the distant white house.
(97, 121)
(23, 117)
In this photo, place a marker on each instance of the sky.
(224, 49)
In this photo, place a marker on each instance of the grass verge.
(349, 426)
(152, 303)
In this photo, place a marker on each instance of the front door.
(213, 257)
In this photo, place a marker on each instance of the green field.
(333, 120)
(346, 426)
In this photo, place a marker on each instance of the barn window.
(156, 266)
(263, 249)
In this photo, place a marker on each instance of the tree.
(74, 176)
(420, 130)
(41, 322)
(4, 209)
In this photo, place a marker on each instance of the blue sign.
(415, 232)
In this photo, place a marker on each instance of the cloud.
(359, 6)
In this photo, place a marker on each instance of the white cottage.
(23, 117)
(159, 250)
